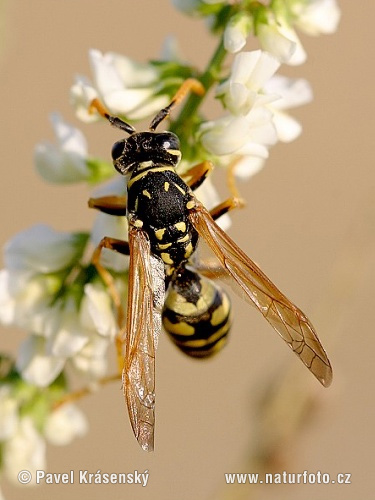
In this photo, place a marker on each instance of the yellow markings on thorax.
(145, 164)
(143, 173)
(190, 204)
(183, 239)
(188, 250)
(159, 233)
(138, 223)
(180, 226)
(166, 186)
(174, 152)
(166, 258)
(146, 193)
(164, 246)
(182, 191)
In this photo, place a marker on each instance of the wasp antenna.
(191, 84)
(96, 105)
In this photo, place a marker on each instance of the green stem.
(208, 78)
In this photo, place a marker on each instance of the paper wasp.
(166, 221)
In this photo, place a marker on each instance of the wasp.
(166, 286)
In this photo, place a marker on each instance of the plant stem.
(208, 78)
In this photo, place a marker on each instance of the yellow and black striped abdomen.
(197, 314)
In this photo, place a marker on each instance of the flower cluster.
(27, 422)
(49, 286)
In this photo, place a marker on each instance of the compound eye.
(118, 149)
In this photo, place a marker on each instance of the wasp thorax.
(157, 147)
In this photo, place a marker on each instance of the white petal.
(96, 311)
(69, 336)
(225, 135)
(292, 91)
(248, 166)
(132, 73)
(81, 94)
(106, 76)
(36, 367)
(91, 360)
(272, 40)
(7, 301)
(318, 16)
(254, 68)
(64, 425)
(234, 39)
(69, 138)
(57, 166)
(41, 249)
(26, 450)
(288, 128)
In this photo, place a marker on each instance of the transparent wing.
(289, 321)
(143, 326)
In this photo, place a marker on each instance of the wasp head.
(157, 147)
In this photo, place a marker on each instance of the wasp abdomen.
(197, 314)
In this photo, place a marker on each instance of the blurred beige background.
(309, 222)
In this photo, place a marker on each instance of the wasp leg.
(98, 106)
(231, 182)
(122, 247)
(226, 206)
(85, 391)
(191, 84)
(197, 174)
(112, 205)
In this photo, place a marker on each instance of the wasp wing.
(143, 326)
(289, 321)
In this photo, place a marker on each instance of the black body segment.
(157, 202)
(196, 314)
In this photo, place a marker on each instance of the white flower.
(237, 31)
(243, 135)
(65, 424)
(41, 249)
(8, 413)
(64, 331)
(244, 88)
(316, 16)
(35, 365)
(247, 166)
(25, 298)
(292, 93)
(82, 93)
(91, 361)
(25, 450)
(96, 311)
(125, 87)
(64, 162)
(279, 38)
